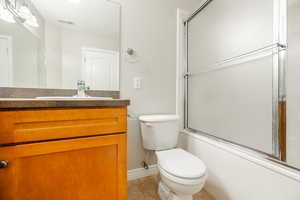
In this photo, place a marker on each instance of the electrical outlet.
(137, 83)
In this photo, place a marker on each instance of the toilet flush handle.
(148, 124)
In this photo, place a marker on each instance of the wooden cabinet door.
(93, 168)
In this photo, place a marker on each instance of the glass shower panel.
(228, 28)
(230, 61)
(293, 77)
(234, 103)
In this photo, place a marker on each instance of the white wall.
(149, 27)
(53, 51)
(136, 154)
(233, 176)
(25, 54)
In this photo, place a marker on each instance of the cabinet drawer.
(47, 124)
(93, 168)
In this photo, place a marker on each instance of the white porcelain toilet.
(182, 174)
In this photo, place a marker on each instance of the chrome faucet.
(81, 89)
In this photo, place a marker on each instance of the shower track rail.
(242, 58)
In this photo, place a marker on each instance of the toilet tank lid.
(158, 118)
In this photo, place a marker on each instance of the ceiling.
(94, 16)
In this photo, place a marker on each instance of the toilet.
(182, 174)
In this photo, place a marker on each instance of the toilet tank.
(159, 132)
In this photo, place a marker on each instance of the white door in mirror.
(100, 69)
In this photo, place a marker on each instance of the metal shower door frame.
(279, 82)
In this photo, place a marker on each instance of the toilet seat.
(181, 167)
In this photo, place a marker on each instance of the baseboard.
(141, 172)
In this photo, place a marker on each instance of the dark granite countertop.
(27, 103)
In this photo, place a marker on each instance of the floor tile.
(146, 189)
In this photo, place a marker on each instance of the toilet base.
(166, 194)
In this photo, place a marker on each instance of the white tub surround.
(236, 175)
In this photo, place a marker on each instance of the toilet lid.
(181, 164)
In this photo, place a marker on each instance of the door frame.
(182, 16)
(10, 58)
(86, 50)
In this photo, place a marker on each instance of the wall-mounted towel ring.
(131, 55)
(130, 51)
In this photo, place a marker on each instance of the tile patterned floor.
(146, 189)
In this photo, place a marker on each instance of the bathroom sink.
(73, 98)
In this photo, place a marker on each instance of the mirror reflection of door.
(100, 68)
(46, 47)
(6, 67)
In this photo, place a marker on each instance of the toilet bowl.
(182, 174)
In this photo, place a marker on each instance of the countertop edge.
(7, 104)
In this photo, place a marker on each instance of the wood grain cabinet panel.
(37, 125)
(93, 168)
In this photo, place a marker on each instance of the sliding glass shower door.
(233, 72)
(293, 91)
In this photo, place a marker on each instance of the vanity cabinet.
(64, 154)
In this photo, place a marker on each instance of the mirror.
(53, 44)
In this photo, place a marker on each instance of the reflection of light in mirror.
(32, 21)
(25, 13)
(9, 13)
(6, 15)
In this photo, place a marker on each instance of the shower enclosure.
(241, 75)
